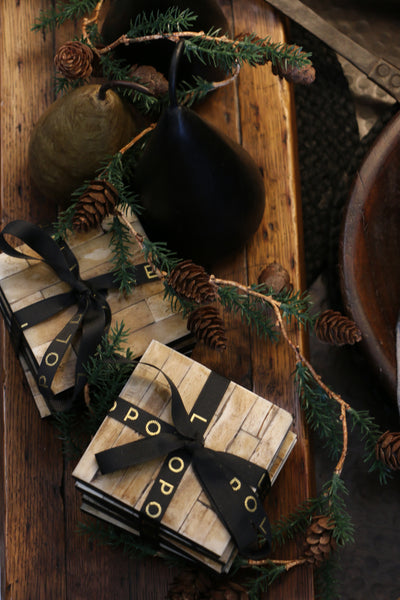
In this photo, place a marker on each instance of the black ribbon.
(93, 315)
(227, 479)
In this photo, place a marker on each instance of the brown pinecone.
(74, 60)
(335, 328)
(304, 75)
(148, 76)
(96, 203)
(228, 591)
(319, 540)
(275, 277)
(206, 324)
(190, 584)
(192, 281)
(388, 449)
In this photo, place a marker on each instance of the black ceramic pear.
(158, 53)
(201, 192)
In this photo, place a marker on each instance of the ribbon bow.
(227, 479)
(93, 315)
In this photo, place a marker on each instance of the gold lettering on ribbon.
(150, 273)
(179, 468)
(261, 526)
(42, 381)
(131, 415)
(149, 508)
(235, 484)
(250, 504)
(166, 488)
(64, 341)
(194, 416)
(78, 317)
(156, 431)
(114, 406)
(51, 362)
(24, 325)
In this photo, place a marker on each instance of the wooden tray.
(42, 555)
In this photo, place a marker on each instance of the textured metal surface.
(375, 26)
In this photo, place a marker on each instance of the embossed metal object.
(379, 70)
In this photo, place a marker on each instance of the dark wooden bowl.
(370, 252)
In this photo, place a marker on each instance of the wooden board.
(145, 312)
(41, 553)
(243, 424)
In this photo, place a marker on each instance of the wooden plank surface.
(41, 554)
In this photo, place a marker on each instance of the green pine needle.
(52, 18)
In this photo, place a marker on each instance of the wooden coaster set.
(23, 282)
(163, 498)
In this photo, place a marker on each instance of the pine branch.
(172, 20)
(286, 528)
(370, 433)
(121, 244)
(334, 490)
(52, 18)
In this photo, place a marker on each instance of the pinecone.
(304, 75)
(74, 60)
(148, 76)
(192, 281)
(96, 203)
(275, 277)
(319, 540)
(206, 324)
(190, 584)
(228, 591)
(388, 449)
(337, 329)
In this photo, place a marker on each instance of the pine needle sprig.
(288, 527)
(54, 17)
(160, 256)
(334, 491)
(322, 415)
(171, 20)
(121, 244)
(252, 310)
(266, 575)
(370, 433)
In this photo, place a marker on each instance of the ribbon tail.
(44, 309)
(140, 451)
(237, 505)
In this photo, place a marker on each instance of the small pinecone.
(229, 591)
(192, 281)
(337, 329)
(206, 324)
(388, 449)
(304, 75)
(275, 277)
(190, 584)
(74, 60)
(148, 76)
(319, 540)
(96, 203)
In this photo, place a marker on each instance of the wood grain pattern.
(41, 553)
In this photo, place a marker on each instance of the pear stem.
(173, 69)
(126, 84)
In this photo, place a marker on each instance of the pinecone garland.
(206, 324)
(319, 540)
(190, 584)
(74, 60)
(96, 203)
(337, 329)
(388, 449)
(192, 281)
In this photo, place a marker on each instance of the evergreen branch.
(170, 21)
(54, 17)
(286, 528)
(121, 244)
(268, 572)
(370, 434)
(334, 490)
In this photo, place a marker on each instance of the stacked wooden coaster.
(163, 497)
(144, 312)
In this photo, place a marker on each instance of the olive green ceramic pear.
(201, 192)
(159, 53)
(74, 137)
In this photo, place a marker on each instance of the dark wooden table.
(42, 556)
